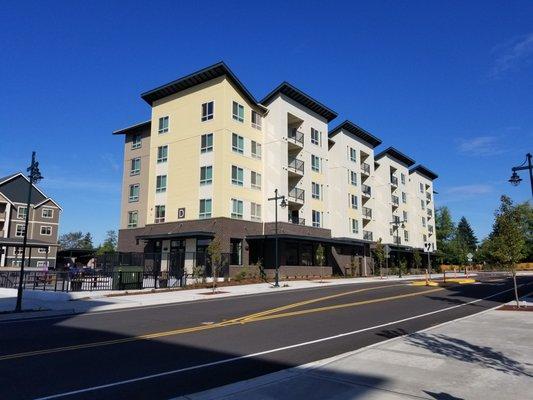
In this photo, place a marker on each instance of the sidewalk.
(81, 302)
(484, 356)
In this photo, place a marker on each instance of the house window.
(133, 219)
(315, 190)
(135, 166)
(21, 212)
(424, 222)
(256, 212)
(256, 180)
(207, 143)
(42, 264)
(405, 216)
(317, 219)
(353, 201)
(256, 120)
(353, 155)
(422, 204)
(421, 187)
(404, 197)
(162, 154)
(354, 225)
(19, 231)
(238, 112)
(163, 125)
(237, 175)
(205, 208)
(206, 175)
(134, 193)
(402, 178)
(208, 110)
(46, 230)
(406, 236)
(256, 150)
(424, 238)
(42, 250)
(316, 137)
(17, 251)
(161, 184)
(47, 213)
(236, 208)
(237, 143)
(353, 178)
(159, 214)
(315, 163)
(136, 142)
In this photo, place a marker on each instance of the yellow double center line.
(260, 316)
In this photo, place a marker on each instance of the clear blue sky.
(448, 83)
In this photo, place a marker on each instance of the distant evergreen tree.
(465, 235)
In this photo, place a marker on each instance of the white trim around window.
(46, 230)
(48, 214)
(19, 230)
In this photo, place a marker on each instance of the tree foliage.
(465, 235)
(379, 253)
(214, 250)
(76, 240)
(110, 243)
(417, 259)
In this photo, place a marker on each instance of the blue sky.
(448, 83)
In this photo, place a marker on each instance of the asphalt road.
(164, 351)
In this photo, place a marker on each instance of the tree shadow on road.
(442, 396)
(462, 350)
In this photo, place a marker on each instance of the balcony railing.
(397, 240)
(365, 168)
(367, 213)
(367, 235)
(430, 213)
(428, 197)
(430, 228)
(296, 136)
(394, 180)
(297, 194)
(296, 165)
(366, 190)
(395, 200)
(296, 220)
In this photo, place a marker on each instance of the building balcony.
(397, 240)
(367, 191)
(295, 137)
(395, 200)
(367, 213)
(296, 220)
(367, 235)
(296, 195)
(428, 197)
(296, 167)
(393, 181)
(430, 229)
(430, 213)
(365, 168)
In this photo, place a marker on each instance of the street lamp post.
(35, 176)
(397, 223)
(283, 204)
(515, 178)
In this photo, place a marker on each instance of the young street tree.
(110, 243)
(320, 260)
(417, 259)
(215, 255)
(379, 254)
(445, 233)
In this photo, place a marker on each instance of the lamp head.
(515, 179)
(283, 203)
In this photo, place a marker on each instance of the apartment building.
(42, 228)
(210, 158)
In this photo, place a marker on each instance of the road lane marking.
(261, 353)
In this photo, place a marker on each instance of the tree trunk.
(515, 290)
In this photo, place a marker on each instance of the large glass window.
(353, 155)
(159, 214)
(237, 143)
(135, 166)
(404, 197)
(21, 212)
(315, 190)
(255, 180)
(237, 176)
(161, 184)
(353, 201)
(256, 212)
(353, 178)
(162, 154)
(208, 111)
(136, 142)
(205, 208)
(207, 143)
(256, 120)
(236, 251)
(316, 137)
(46, 230)
(134, 193)
(354, 225)
(19, 230)
(163, 125)
(256, 149)
(206, 175)
(315, 163)
(317, 218)
(47, 213)
(238, 112)
(133, 219)
(236, 208)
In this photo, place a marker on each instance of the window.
(136, 142)
(237, 176)
(19, 231)
(238, 112)
(353, 155)
(207, 143)
(17, 251)
(161, 183)
(236, 208)
(406, 236)
(208, 110)
(256, 212)
(237, 143)
(163, 125)
(424, 238)
(256, 149)
(206, 175)
(42, 264)
(404, 197)
(316, 137)
(135, 166)
(421, 187)
(424, 222)
(315, 190)
(317, 219)
(423, 204)
(159, 214)
(133, 219)
(47, 213)
(315, 163)
(402, 178)
(405, 216)
(353, 201)
(21, 212)
(134, 193)
(205, 208)
(354, 225)
(256, 120)
(256, 180)
(42, 250)
(162, 153)
(353, 178)
(46, 230)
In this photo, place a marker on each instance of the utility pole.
(283, 204)
(515, 178)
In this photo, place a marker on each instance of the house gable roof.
(14, 188)
(357, 131)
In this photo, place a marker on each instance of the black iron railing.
(296, 136)
(367, 212)
(367, 191)
(365, 168)
(296, 165)
(296, 194)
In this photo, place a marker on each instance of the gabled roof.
(424, 171)
(133, 128)
(391, 151)
(14, 188)
(304, 99)
(357, 131)
(6, 178)
(196, 78)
